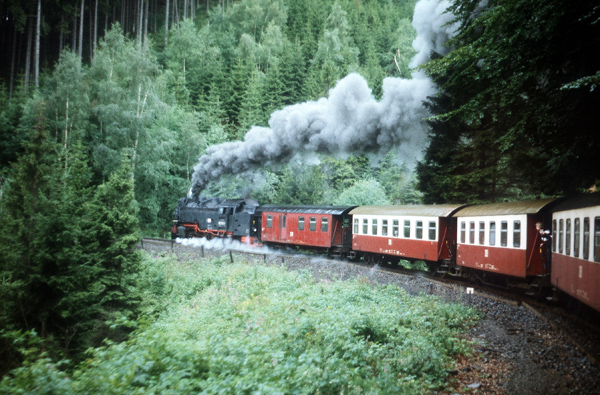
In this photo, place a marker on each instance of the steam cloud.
(349, 121)
(431, 21)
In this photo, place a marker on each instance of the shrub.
(254, 329)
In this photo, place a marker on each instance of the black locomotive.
(215, 217)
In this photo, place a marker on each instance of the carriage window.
(365, 226)
(462, 231)
(561, 233)
(586, 238)
(503, 233)
(576, 237)
(284, 220)
(419, 230)
(406, 228)
(269, 221)
(395, 227)
(482, 233)
(517, 234)
(324, 224)
(492, 233)
(384, 227)
(374, 227)
(300, 223)
(554, 230)
(432, 229)
(472, 232)
(568, 238)
(597, 239)
(312, 224)
(355, 226)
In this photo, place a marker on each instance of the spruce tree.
(50, 287)
(112, 232)
(293, 72)
(252, 113)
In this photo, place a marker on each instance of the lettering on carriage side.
(390, 252)
(583, 294)
(486, 266)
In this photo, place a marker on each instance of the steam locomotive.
(496, 243)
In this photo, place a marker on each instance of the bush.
(254, 329)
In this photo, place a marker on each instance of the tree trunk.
(95, 38)
(28, 56)
(140, 22)
(37, 44)
(12, 64)
(62, 33)
(91, 30)
(81, 30)
(74, 30)
(167, 24)
(139, 114)
(176, 12)
(95, 28)
(146, 12)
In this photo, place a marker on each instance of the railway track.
(581, 334)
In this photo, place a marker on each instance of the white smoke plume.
(431, 21)
(350, 120)
(219, 244)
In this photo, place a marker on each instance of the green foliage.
(363, 192)
(10, 135)
(521, 130)
(244, 329)
(113, 232)
(67, 253)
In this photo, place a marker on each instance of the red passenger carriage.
(576, 248)
(391, 233)
(501, 238)
(320, 227)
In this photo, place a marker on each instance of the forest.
(106, 107)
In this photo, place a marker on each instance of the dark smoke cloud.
(349, 121)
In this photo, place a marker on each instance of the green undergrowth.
(213, 327)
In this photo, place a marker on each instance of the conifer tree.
(112, 232)
(51, 281)
(293, 73)
(273, 91)
(252, 113)
(238, 81)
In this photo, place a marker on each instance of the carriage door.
(346, 231)
(283, 227)
(597, 239)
